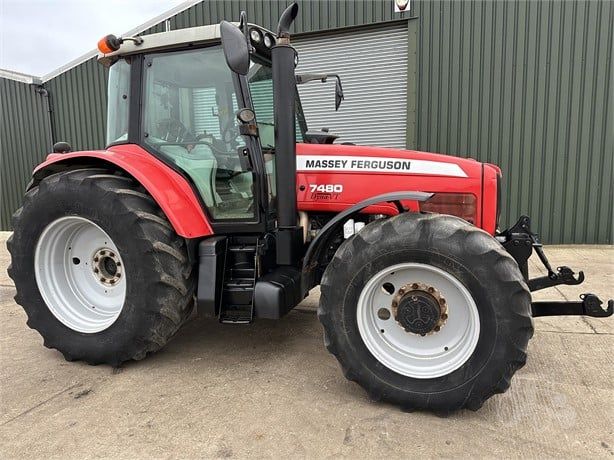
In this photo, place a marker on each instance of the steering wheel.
(172, 130)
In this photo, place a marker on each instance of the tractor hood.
(332, 177)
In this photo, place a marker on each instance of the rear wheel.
(98, 268)
(434, 314)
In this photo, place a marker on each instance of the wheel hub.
(419, 309)
(107, 266)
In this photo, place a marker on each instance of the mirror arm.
(307, 77)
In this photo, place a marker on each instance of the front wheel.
(434, 313)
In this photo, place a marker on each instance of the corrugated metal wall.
(79, 100)
(313, 15)
(24, 132)
(526, 84)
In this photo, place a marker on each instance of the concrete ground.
(272, 390)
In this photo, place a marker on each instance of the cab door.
(188, 113)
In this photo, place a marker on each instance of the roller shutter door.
(373, 69)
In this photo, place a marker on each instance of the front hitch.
(520, 242)
(590, 305)
(563, 275)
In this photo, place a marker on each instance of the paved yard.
(271, 390)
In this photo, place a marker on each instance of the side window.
(189, 117)
(117, 113)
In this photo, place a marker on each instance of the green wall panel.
(527, 86)
(25, 138)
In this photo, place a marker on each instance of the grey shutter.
(204, 107)
(372, 65)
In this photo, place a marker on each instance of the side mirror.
(236, 48)
(307, 77)
(338, 93)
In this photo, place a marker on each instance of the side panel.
(333, 177)
(171, 191)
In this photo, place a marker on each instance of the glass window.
(189, 117)
(119, 92)
(260, 79)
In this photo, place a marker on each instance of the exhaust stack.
(283, 57)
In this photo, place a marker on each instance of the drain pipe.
(44, 92)
(283, 59)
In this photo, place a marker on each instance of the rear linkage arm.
(520, 242)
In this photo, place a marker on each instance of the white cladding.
(373, 69)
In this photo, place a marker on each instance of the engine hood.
(331, 177)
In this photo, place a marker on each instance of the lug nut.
(431, 289)
(442, 301)
(96, 270)
(414, 286)
(96, 259)
(112, 281)
(111, 254)
(444, 316)
(437, 328)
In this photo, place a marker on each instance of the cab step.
(237, 299)
(236, 314)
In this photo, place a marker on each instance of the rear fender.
(171, 191)
(313, 257)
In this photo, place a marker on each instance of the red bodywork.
(438, 174)
(170, 190)
(352, 173)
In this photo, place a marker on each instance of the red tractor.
(213, 193)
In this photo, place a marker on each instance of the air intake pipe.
(283, 60)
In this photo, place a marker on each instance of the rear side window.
(119, 95)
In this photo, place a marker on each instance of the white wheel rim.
(80, 274)
(422, 357)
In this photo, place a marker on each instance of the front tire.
(426, 312)
(98, 269)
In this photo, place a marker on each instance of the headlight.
(255, 35)
(461, 205)
(268, 40)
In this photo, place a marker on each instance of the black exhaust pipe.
(283, 57)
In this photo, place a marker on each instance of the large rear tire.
(98, 269)
(426, 312)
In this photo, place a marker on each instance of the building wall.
(79, 101)
(25, 133)
(526, 85)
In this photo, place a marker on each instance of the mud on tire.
(472, 256)
(160, 282)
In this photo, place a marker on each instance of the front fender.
(168, 188)
(311, 262)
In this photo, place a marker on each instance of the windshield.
(260, 79)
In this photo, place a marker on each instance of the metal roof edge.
(20, 77)
(152, 22)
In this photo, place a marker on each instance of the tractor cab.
(185, 110)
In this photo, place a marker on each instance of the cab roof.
(171, 39)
